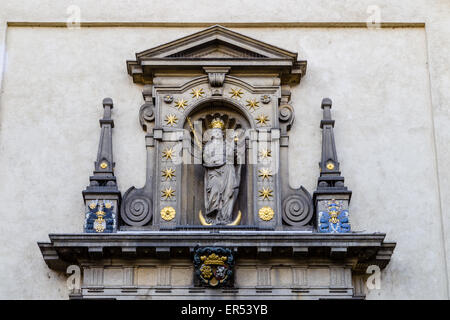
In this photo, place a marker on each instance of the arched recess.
(237, 130)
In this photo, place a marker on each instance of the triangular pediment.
(219, 47)
(217, 38)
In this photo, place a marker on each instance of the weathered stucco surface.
(390, 89)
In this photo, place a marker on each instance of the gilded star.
(168, 193)
(197, 93)
(262, 119)
(168, 153)
(265, 153)
(181, 104)
(171, 119)
(252, 104)
(236, 93)
(168, 173)
(265, 173)
(265, 193)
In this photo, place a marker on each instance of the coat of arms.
(334, 219)
(100, 217)
(214, 266)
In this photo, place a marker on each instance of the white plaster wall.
(389, 88)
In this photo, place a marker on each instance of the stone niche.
(217, 76)
(216, 216)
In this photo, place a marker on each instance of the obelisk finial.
(331, 197)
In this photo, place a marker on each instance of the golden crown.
(100, 213)
(217, 124)
(213, 259)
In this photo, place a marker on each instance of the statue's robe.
(222, 181)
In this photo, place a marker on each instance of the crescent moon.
(202, 219)
(234, 223)
(237, 220)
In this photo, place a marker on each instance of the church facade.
(216, 170)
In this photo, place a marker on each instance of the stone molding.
(216, 47)
(365, 249)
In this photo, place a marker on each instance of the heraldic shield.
(214, 266)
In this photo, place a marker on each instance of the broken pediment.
(216, 47)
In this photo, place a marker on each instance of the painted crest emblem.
(334, 219)
(100, 217)
(214, 266)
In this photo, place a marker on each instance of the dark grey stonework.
(102, 197)
(264, 225)
(331, 198)
(367, 249)
(330, 180)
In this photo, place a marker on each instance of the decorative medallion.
(265, 99)
(171, 119)
(168, 99)
(252, 104)
(330, 166)
(197, 93)
(266, 213)
(168, 213)
(214, 266)
(265, 193)
(103, 165)
(181, 104)
(264, 173)
(236, 93)
(168, 173)
(334, 219)
(168, 154)
(168, 193)
(262, 119)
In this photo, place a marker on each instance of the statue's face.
(216, 133)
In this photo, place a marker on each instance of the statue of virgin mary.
(222, 177)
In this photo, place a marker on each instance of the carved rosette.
(169, 162)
